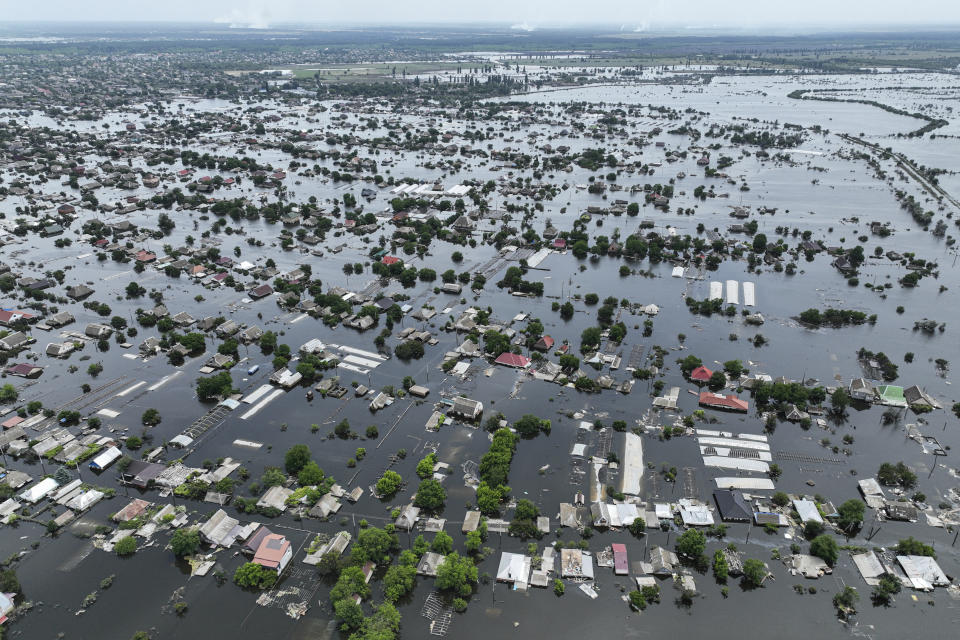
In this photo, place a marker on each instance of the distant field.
(330, 72)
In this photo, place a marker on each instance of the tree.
(717, 381)
(425, 466)
(840, 400)
(590, 339)
(399, 581)
(457, 575)
(8, 393)
(760, 243)
(489, 498)
(825, 548)
(185, 542)
(409, 349)
(495, 343)
(382, 625)
(310, 475)
(530, 425)
(9, 583)
(268, 341)
(689, 363)
(151, 417)
(780, 499)
(272, 477)
(638, 527)
(812, 529)
(911, 547)
(329, 564)
(430, 495)
(754, 572)
(526, 510)
(389, 483)
(474, 541)
(558, 587)
(374, 545)
(296, 458)
(254, 576)
(851, 516)
(569, 362)
(845, 601)
(349, 613)
(442, 543)
(351, 581)
(193, 342)
(721, 569)
(691, 544)
(892, 475)
(883, 593)
(734, 368)
(214, 386)
(126, 546)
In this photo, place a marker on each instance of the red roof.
(12, 422)
(620, 564)
(545, 342)
(390, 260)
(701, 374)
(513, 360)
(559, 243)
(271, 551)
(8, 315)
(718, 401)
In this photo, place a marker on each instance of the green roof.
(891, 394)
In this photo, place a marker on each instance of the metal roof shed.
(39, 491)
(808, 510)
(105, 459)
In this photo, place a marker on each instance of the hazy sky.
(630, 14)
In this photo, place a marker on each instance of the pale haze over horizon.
(632, 15)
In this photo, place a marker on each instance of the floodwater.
(61, 571)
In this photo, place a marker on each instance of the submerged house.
(274, 552)
(727, 402)
(467, 408)
(861, 389)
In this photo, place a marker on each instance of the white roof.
(923, 572)
(743, 464)
(85, 500)
(622, 515)
(514, 567)
(67, 489)
(695, 514)
(632, 468)
(40, 490)
(181, 440)
(105, 459)
(808, 510)
(759, 484)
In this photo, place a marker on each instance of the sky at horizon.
(630, 15)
